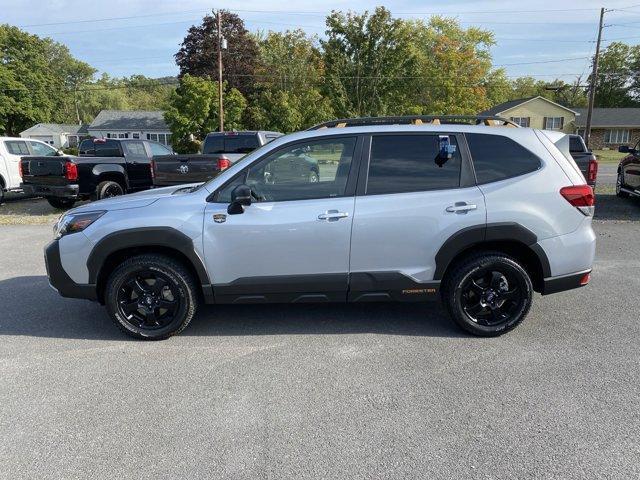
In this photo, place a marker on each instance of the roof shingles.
(129, 120)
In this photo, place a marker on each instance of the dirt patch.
(28, 211)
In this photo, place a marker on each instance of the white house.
(58, 135)
(149, 125)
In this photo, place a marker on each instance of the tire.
(487, 294)
(313, 177)
(132, 292)
(619, 184)
(1, 195)
(109, 189)
(61, 203)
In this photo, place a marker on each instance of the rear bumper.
(60, 191)
(565, 282)
(59, 279)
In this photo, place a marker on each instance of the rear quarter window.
(108, 148)
(497, 158)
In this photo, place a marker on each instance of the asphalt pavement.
(331, 391)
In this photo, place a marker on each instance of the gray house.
(148, 125)
(58, 135)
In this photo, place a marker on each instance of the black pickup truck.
(584, 158)
(220, 150)
(104, 168)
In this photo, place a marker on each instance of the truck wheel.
(61, 203)
(1, 194)
(488, 294)
(151, 297)
(109, 189)
(313, 177)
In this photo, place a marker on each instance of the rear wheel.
(151, 297)
(313, 177)
(109, 189)
(619, 185)
(61, 203)
(488, 294)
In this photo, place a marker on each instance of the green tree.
(288, 94)
(193, 111)
(36, 76)
(367, 59)
(618, 76)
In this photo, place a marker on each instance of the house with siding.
(536, 112)
(57, 135)
(147, 125)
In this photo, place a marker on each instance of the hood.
(134, 200)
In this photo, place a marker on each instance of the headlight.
(75, 222)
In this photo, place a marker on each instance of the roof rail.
(488, 120)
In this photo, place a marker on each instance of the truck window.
(107, 148)
(213, 144)
(576, 145)
(17, 147)
(158, 149)
(241, 143)
(86, 147)
(134, 148)
(42, 149)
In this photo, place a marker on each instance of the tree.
(288, 96)
(198, 53)
(452, 67)
(193, 111)
(367, 61)
(618, 76)
(35, 79)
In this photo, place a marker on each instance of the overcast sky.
(97, 33)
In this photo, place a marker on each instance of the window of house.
(411, 163)
(135, 135)
(72, 140)
(522, 121)
(497, 158)
(616, 136)
(553, 123)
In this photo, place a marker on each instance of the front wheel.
(61, 203)
(488, 294)
(619, 185)
(151, 297)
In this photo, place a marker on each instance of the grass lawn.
(609, 156)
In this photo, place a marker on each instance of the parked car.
(220, 150)
(477, 216)
(585, 159)
(104, 168)
(628, 179)
(11, 150)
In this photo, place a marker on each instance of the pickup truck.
(12, 149)
(584, 158)
(220, 150)
(104, 168)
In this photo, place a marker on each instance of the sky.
(544, 38)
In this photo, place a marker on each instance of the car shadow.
(30, 307)
(612, 207)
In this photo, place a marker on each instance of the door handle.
(461, 207)
(332, 215)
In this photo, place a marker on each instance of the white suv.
(478, 216)
(12, 149)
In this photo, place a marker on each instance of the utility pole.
(220, 105)
(594, 80)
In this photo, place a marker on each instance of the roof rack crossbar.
(488, 120)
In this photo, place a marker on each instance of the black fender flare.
(110, 168)
(491, 232)
(167, 237)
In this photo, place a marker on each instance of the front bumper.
(59, 279)
(60, 191)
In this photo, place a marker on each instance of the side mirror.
(623, 149)
(240, 198)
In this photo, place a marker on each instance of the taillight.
(20, 169)
(592, 171)
(585, 279)
(223, 163)
(581, 197)
(153, 169)
(70, 171)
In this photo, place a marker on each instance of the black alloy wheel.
(490, 298)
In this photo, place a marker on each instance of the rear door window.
(86, 147)
(42, 149)
(411, 163)
(230, 143)
(107, 148)
(135, 148)
(497, 158)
